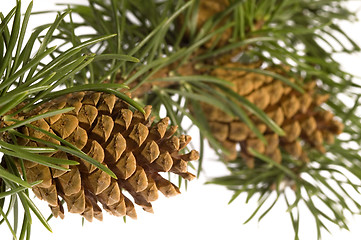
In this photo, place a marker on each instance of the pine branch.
(183, 53)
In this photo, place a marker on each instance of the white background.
(201, 211)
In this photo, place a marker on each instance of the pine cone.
(127, 142)
(206, 10)
(299, 115)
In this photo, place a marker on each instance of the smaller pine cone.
(206, 10)
(299, 115)
(127, 142)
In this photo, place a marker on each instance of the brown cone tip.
(128, 143)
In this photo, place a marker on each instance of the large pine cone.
(305, 124)
(127, 142)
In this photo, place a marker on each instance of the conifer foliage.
(257, 78)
